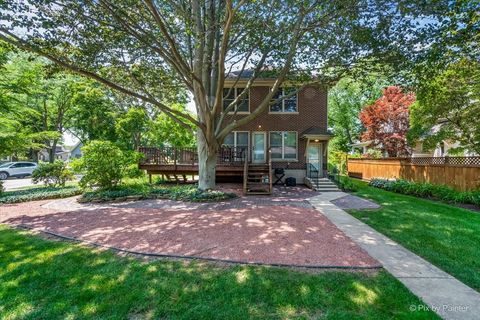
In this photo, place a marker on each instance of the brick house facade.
(296, 130)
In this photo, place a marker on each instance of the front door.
(314, 160)
(259, 147)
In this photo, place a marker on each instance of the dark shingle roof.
(317, 131)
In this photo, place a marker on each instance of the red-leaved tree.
(387, 122)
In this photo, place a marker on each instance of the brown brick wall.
(312, 111)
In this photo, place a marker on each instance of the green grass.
(38, 193)
(43, 279)
(445, 235)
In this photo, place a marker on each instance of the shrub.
(52, 174)
(41, 193)
(103, 164)
(346, 184)
(2, 189)
(427, 190)
(373, 154)
(146, 191)
(133, 171)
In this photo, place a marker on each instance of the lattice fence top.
(473, 161)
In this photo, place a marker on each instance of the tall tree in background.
(387, 122)
(451, 101)
(92, 116)
(345, 102)
(141, 48)
(33, 105)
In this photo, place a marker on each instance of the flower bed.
(139, 192)
(428, 190)
(40, 193)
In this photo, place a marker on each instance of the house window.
(237, 139)
(287, 105)
(283, 145)
(230, 94)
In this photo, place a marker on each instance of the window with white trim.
(237, 139)
(284, 145)
(230, 94)
(287, 105)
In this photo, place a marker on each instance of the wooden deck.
(184, 161)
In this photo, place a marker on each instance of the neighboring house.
(76, 151)
(360, 147)
(60, 154)
(441, 150)
(295, 130)
(6, 159)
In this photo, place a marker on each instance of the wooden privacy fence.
(460, 173)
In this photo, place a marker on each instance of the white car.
(16, 169)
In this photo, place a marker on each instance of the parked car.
(16, 169)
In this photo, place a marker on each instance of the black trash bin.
(291, 182)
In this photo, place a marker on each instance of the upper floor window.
(230, 94)
(283, 145)
(286, 105)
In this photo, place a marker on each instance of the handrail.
(312, 168)
(245, 173)
(270, 170)
(189, 156)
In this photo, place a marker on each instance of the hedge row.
(428, 190)
(181, 192)
(40, 193)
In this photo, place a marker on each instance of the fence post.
(175, 157)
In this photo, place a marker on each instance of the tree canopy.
(387, 122)
(449, 101)
(145, 48)
(40, 102)
(345, 102)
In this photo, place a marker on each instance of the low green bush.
(103, 164)
(172, 192)
(54, 174)
(346, 184)
(428, 190)
(40, 193)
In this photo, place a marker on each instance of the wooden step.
(258, 192)
(257, 173)
(254, 183)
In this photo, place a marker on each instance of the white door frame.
(319, 146)
(264, 146)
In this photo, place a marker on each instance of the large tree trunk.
(51, 152)
(207, 161)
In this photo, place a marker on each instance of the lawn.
(445, 235)
(44, 279)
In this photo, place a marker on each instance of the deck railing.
(189, 156)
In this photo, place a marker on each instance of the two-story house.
(291, 135)
(294, 130)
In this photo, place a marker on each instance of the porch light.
(316, 140)
(259, 126)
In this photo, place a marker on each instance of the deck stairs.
(257, 178)
(322, 185)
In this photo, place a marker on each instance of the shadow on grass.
(47, 279)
